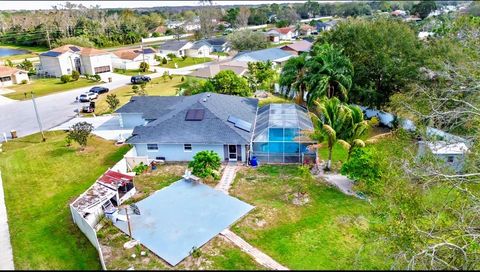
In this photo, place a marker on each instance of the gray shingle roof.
(272, 54)
(199, 44)
(173, 45)
(170, 126)
(216, 41)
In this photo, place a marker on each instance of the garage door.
(102, 69)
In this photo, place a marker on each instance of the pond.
(10, 52)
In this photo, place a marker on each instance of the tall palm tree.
(329, 73)
(358, 129)
(332, 122)
(293, 76)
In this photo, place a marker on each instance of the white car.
(86, 97)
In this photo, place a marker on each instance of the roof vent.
(204, 99)
(209, 94)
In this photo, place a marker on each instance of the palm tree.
(329, 73)
(332, 122)
(358, 129)
(293, 77)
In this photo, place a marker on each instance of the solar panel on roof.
(195, 115)
(239, 123)
(51, 54)
(74, 48)
(232, 119)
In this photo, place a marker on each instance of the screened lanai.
(277, 128)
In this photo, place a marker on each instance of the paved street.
(53, 109)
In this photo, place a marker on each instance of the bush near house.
(80, 132)
(363, 167)
(75, 75)
(65, 78)
(205, 164)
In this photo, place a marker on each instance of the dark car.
(139, 79)
(99, 90)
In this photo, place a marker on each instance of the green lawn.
(34, 50)
(224, 54)
(131, 72)
(40, 179)
(45, 86)
(189, 61)
(155, 87)
(326, 233)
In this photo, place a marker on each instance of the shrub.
(87, 76)
(182, 79)
(164, 61)
(364, 168)
(24, 81)
(140, 168)
(184, 57)
(75, 75)
(80, 133)
(135, 88)
(96, 77)
(144, 66)
(65, 78)
(112, 101)
(205, 164)
(171, 56)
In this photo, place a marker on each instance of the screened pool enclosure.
(275, 138)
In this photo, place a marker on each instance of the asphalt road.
(53, 109)
(58, 108)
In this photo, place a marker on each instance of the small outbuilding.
(10, 76)
(453, 153)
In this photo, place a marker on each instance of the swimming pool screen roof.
(281, 116)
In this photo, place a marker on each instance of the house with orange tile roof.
(10, 76)
(282, 34)
(130, 59)
(65, 59)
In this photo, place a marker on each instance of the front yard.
(40, 179)
(45, 86)
(189, 61)
(135, 72)
(155, 87)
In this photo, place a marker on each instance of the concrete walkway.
(260, 257)
(257, 255)
(6, 256)
(227, 178)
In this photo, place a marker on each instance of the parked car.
(99, 90)
(139, 79)
(87, 97)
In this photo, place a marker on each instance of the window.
(152, 147)
(187, 147)
(450, 159)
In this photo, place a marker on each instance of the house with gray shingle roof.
(178, 48)
(175, 128)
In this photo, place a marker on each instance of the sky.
(32, 5)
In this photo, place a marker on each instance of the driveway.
(53, 109)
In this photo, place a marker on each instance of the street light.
(38, 117)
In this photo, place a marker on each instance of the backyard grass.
(189, 61)
(45, 86)
(155, 87)
(325, 233)
(40, 179)
(34, 50)
(135, 72)
(272, 98)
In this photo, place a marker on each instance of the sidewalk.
(6, 256)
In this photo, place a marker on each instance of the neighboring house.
(178, 48)
(325, 26)
(130, 59)
(160, 30)
(307, 30)
(298, 47)
(275, 55)
(10, 76)
(398, 13)
(219, 44)
(199, 49)
(453, 153)
(239, 67)
(65, 59)
(281, 34)
(175, 128)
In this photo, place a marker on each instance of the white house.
(178, 48)
(130, 59)
(281, 34)
(452, 153)
(65, 59)
(10, 76)
(199, 49)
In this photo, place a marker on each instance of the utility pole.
(38, 117)
(128, 221)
